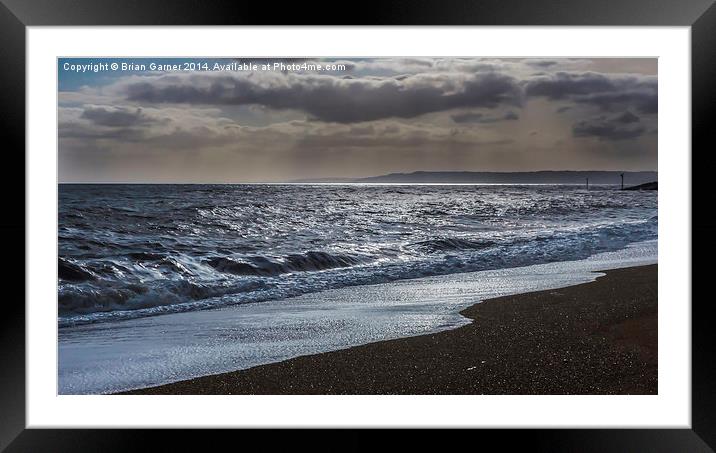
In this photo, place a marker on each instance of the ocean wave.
(255, 278)
(443, 244)
(260, 266)
(69, 271)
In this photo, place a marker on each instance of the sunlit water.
(130, 251)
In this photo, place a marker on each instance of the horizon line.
(357, 180)
(345, 183)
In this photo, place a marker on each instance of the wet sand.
(594, 338)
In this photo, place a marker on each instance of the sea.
(160, 282)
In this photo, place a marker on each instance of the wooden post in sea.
(587, 183)
(622, 175)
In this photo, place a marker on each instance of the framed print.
(454, 225)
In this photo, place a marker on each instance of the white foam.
(130, 354)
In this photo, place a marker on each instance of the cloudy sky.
(362, 117)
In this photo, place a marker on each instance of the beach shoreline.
(592, 338)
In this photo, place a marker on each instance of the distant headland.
(479, 177)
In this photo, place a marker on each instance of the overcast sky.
(369, 117)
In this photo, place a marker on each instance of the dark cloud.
(562, 85)
(117, 116)
(642, 100)
(541, 63)
(417, 62)
(151, 127)
(627, 117)
(76, 130)
(468, 117)
(176, 138)
(607, 92)
(476, 117)
(333, 99)
(620, 127)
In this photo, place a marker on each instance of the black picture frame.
(16, 15)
